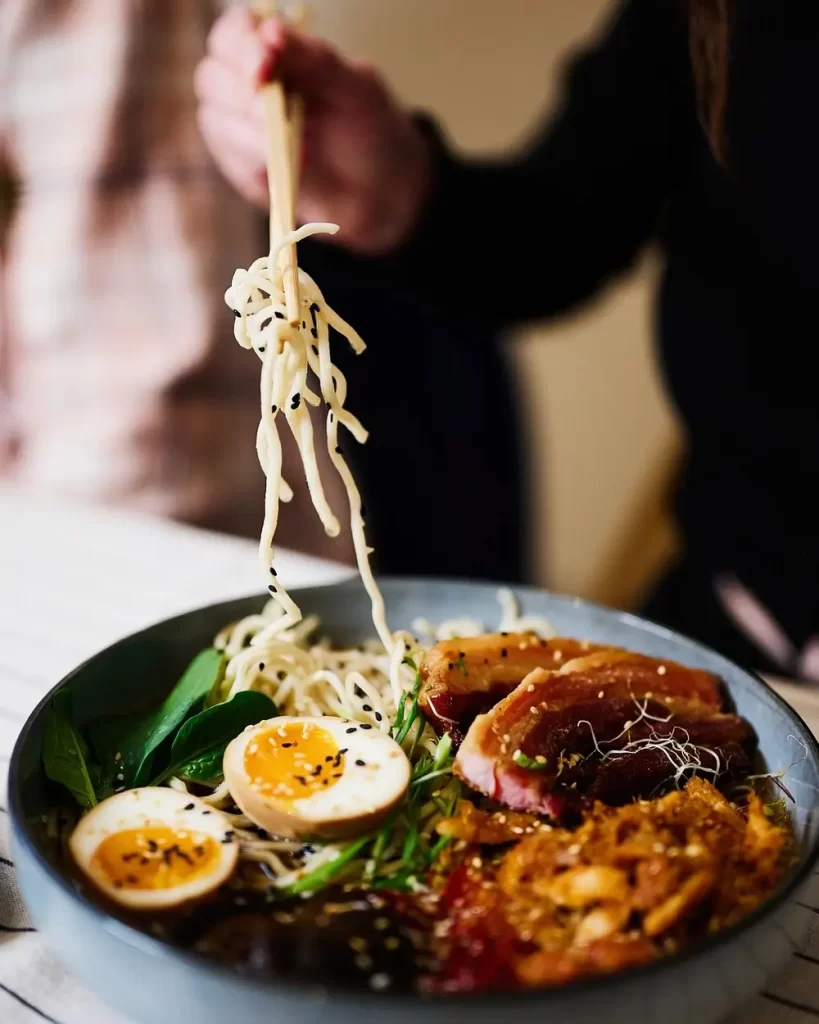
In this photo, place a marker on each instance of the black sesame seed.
(348, 731)
(301, 779)
(199, 851)
(329, 757)
(189, 807)
(261, 666)
(360, 763)
(339, 449)
(153, 846)
(274, 409)
(206, 812)
(287, 744)
(317, 770)
(504, 652)
(144, 860)
(262, 348)
(281, 675)
(278, 315)
(273, 571)
(450, 666)
(336, 775)
(325, 782)
(314, 332)
(303, 323)
(236, 313)
(378, 716)
(366, 707)
(461, 654)
(271, 588)
(366, 725)
(294, 403)
(129, 856)
(504, 634)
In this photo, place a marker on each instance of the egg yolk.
(293, 761)
(154, 857)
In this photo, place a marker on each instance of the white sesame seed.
(530, 688)
(601, 694)
(661, 670)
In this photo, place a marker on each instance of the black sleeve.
(528, 237)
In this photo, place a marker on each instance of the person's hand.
(366, 165)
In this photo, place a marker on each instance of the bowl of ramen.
(527, 801)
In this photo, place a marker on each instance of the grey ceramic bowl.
(155, 984)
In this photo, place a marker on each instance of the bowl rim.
(159, 947)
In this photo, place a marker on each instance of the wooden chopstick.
(300, 19)
(280, 181)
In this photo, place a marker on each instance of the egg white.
(143, 808)
(358, 802)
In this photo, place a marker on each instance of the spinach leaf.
(65, 752)
(199, 745)
(106, 737)
(142, 739)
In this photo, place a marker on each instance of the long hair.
(709, 35)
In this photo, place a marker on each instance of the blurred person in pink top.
(120, 381)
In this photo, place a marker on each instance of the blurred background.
(602, 444)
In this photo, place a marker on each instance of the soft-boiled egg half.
(152, 848)
(322, 777)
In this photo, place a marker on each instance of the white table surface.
(72, 580)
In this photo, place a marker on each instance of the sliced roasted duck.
(465, 677)
(611, 726)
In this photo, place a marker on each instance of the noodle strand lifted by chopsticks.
(288, 354)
